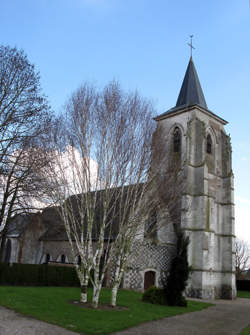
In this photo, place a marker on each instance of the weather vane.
(191, 44)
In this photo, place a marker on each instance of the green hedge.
(243, 285)
(37, 275)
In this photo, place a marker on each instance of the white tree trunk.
(117, 279)
(84, 293)
(96, 295)
(114, 294)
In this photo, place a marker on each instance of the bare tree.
(109, 178)
(242, 257)
(24, 122)
(162, 196)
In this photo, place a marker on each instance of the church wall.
(208, 217)
(147, 256)
(29, 244)
(165, 231)
(14, 250)
(57, 248)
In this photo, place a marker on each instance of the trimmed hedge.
(243, 285)
(37, 275)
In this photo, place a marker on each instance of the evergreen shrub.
(154, 295)
(175, 281)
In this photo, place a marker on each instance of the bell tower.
(207, 210)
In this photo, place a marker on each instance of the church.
(196, 135)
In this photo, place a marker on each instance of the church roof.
(56, 229)
(18, 224)
(190, 95)
(191, 91)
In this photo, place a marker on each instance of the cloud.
(242, 218)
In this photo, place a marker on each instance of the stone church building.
(195, 133)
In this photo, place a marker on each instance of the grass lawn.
(51, 304)
(246, 331)
(244, 294)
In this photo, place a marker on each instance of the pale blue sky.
(143, 44)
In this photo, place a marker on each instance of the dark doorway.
(7, 252)
(149, 279)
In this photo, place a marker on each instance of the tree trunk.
(2, 247)
(114, 294)
(84, 293)
(116, 282)
(96, 295)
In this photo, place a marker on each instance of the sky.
(143, 45)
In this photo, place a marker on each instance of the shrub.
(175, 281)
(154, 295)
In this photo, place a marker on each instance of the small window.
(209, 144)
(79, 261)
(63, 259)
(177, 140)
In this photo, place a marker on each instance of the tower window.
(63, 259)
(177, 140)
(209, 144)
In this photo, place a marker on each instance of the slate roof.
(56, 230)
(190, 95)
(18, 224)
(191, 91)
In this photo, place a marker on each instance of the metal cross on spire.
(191, 44)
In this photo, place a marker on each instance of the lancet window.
(177, 140)
(209, 144)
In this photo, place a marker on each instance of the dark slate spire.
(191, 91)
(190, 95)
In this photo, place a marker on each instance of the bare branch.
(242, 257)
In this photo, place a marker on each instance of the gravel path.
(12, 323)
(226, 318)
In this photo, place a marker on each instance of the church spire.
(190, 95)
(191, 91)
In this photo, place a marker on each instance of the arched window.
(63, 259)
(177, 140)
(209, 144)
